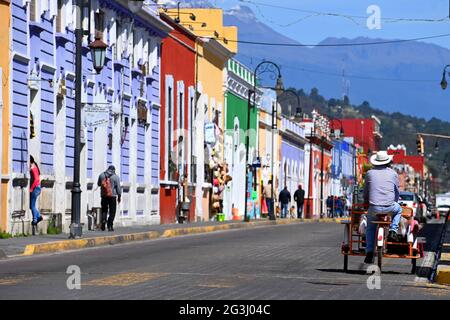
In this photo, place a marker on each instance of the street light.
(274, 69)
(98, 53)
(444, 80)
(298, 111)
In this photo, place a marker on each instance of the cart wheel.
(380, 257)
(413, 266)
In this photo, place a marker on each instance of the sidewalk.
(56, 243)
(443, 268)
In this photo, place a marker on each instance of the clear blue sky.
(316, 28)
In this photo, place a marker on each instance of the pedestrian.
(35, 191)
(268, 196)
(339, 207)
(284, 198)
(111, 192)
(299, 197)
(381, 192)
(329, 206)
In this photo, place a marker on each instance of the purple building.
(292, 171)
(125, 96)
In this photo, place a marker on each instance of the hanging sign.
(96, 115)
(210, 134)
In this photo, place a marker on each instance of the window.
(170, 163)
(34, 6)
(59, 17)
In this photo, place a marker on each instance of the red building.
(366, 132)
(400, 157)
(178, 61)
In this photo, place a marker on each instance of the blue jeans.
(284, 209)
(269, 202)
(299, 210)
(395, 210)
(33, 197)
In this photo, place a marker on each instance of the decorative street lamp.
(298, 111)
(273, 69)
(444, 80)
(98, 53)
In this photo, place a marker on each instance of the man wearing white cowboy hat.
(381, 192)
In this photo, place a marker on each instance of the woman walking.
(35, 190)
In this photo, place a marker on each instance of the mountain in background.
(323, 67)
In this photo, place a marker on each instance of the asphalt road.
(299, 261)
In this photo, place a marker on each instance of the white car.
(443, 210)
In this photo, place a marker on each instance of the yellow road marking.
(8, 281)
(125, 279)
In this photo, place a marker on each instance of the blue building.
(125, 93)
(292, 170)
(342, 168)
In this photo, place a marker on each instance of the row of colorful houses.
(173, 106)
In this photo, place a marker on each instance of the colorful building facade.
(5, 27)
(343, 168)
(318, 159)
(178, 99)
(292, 171)
(366, 132)
(213, 53)
(269, 142)
(126, 91)
(240, 81)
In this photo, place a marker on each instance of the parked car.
(443, 210)
(411, 199)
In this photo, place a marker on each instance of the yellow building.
(5, 27)
(215, 45)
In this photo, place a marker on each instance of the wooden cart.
(354, 243)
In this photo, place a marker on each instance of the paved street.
(299, 261)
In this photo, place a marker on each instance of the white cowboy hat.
(381, 158)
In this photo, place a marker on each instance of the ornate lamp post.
(98, 53)
(273, 69)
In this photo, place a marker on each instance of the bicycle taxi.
(411, 246)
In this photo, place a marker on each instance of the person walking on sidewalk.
(111, 192)
(268, 195)
(284, 198)
(381, 192)
(299, 197)
(35, 190)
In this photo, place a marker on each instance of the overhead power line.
(348, 16)
(340, 75)
(274, 44)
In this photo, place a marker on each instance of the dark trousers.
(300, 210)
(269, 202)
(108, 205)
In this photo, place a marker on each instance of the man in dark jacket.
(110, 192)
(299, 197)
(284, 198)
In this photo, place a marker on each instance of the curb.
(443, 274)
(67, 245)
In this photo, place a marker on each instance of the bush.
(5, 235)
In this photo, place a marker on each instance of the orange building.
(5, 27)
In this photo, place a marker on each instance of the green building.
(240, 82)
